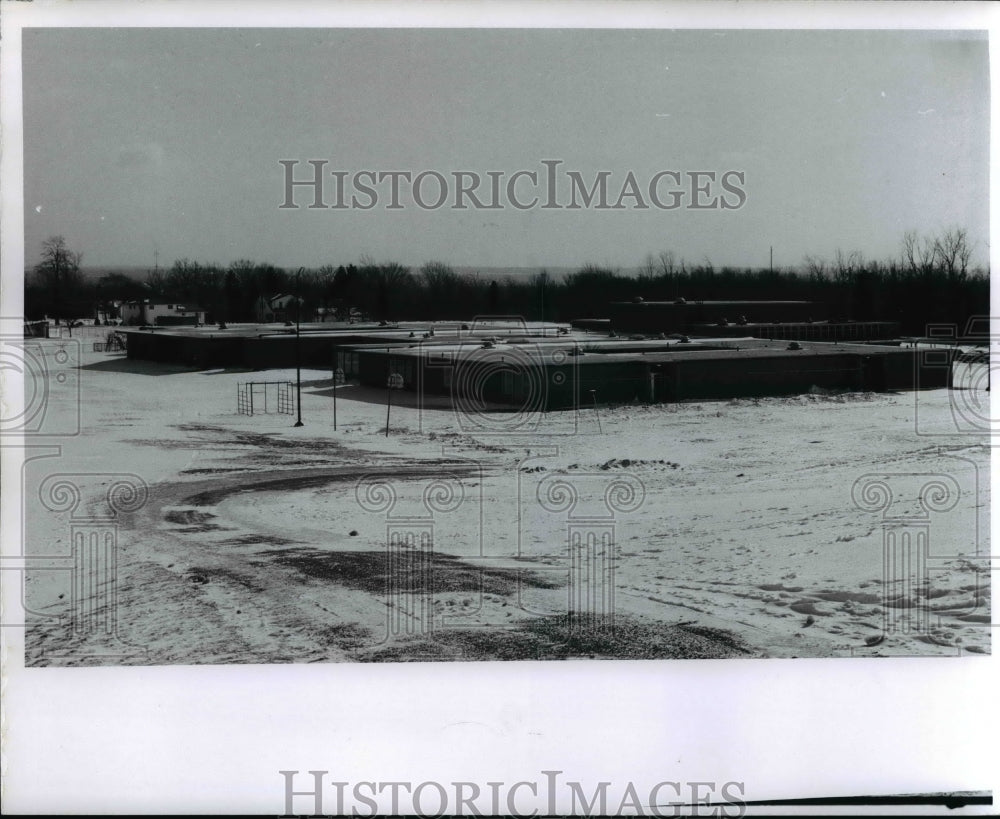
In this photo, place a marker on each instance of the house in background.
(110, 312)
(339, 311)
(36, 329)
(163, 314)
(275, 308)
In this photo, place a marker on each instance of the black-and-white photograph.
(405, 345)
(485, 345)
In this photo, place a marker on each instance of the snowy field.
(755, 528)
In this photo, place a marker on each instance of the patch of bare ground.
(213, 492)
(256, 540)
(346, 636)
(370, 571)
(562, 638)
(225, 470)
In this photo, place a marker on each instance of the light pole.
(388, 403)
(298, 356)
(394, 381)
(593, 395)
(388, 391)
(338, 379)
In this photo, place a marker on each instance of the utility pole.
(593, 395)
(298, 355)
(388, 391)
(338, 378)
(772, 260)
(543, 278)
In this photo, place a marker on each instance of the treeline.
(386, 290)
(930, 281)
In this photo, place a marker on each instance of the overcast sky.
(170, 139)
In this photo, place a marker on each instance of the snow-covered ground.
(738, 528)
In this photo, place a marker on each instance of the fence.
(265, 397)
(36, 329)
(83, 331)
(115, 343)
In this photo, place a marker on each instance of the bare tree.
(395, 275)
(156, 280)
(918, 255)
(59, 273)
(439, 277)
(392, 280)
(816, 268)
(952, 252)
(848, 265)
(668, 263)
(668, 269)
(647, 270)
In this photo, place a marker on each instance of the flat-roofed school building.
(798, 320)
(552, 376)
(548, 367)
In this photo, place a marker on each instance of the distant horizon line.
(466, 269)
(458, 268)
